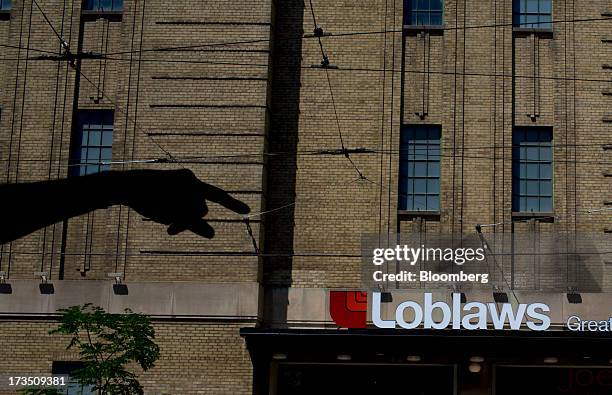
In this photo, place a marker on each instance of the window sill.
(541, 217)
(526, 31)
(427, 215)
(415, 29)
(110, 15)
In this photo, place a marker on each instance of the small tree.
(107, 344)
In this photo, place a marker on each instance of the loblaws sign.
(349, 310)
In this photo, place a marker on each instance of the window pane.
(420, 203)
(532, 171)
(433, 169)
(420, 186)
(546, 154)
(545, 188)
(410, 186)
(107, 138)
(95, 138)
(433, 186)
(531, 153)
(545, 171)
(420, 169)
(433, 203)
(420, 152)
(93, 154)
(436, 5)
(422, 18)
(533, 188)
(106, 5)
(434, 153)
(423, 5)
(107, 154)
(532, 6)
(531, 20)
(118, 5)
(532, 204)
(545, 25)
(546, 6)
(546, 205)
(435, 18)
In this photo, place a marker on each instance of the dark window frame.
(418, 162)
(6, 6)
(96, 6)
(84, 158)
(544, 18)
(68, 368)
(413, 12)
(529, 171)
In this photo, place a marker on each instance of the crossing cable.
(49, 23)
(69, 56)
(169, 156)
(314, 152)
(325, 65)
(334, 68)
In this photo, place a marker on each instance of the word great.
(576, 324)
(471, 316)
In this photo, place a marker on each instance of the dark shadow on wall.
(281, 169)
(175, 198)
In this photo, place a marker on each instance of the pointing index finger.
(218, 195)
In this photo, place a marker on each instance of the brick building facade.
(235, 92)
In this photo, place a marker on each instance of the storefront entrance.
(420, 362)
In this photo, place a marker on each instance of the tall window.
(419, 175)
(535, 14)
(423, 12)
(103, 5)
(94, 140)
(5, 5)
(532, 170)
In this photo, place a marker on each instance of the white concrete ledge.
(160, 299)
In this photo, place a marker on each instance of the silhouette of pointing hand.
(177, 198)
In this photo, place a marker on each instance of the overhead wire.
(344, 34)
